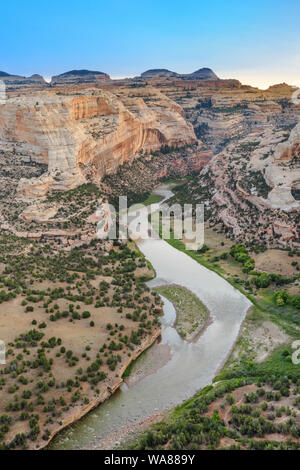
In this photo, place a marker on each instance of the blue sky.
(257, 42)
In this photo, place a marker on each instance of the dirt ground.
(257, 341)
(276, 261)
(271, 261)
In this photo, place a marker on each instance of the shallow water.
(192, 365)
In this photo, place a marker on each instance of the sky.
(257, 42)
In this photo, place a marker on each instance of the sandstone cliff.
(88, 133)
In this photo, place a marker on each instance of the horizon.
(260, 82)
(257, 44)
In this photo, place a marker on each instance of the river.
(191, 366)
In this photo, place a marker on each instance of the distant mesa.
(78, 77)
(4, 74)
(159, 73)
(201, 74)
(14, 82)
(82, 73)
(36, 76)
(94, 77)
(10, 77)
(281, 86)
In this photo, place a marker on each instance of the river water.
(192, 365)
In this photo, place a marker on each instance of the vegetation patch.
(70, 320)
(254, 407)
(192, 316)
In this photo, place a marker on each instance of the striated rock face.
(88, 133)
(79, 77)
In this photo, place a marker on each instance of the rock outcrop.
(283, 173)
(53, 180)
(39, 213)
(289, 150)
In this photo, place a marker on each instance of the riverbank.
(265, 326)
(247, 411)
(129, 432)
(140, 368)
(261, 356)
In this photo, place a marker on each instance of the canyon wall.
(85, 126)
(88, 133)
